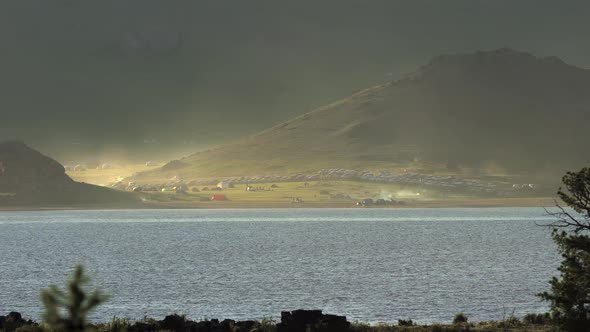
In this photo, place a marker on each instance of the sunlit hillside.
(501, 113)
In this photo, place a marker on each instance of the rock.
(202, 326)
(333, 323)
(173, 323)
(15, 317)
(142, 327)
(13, 321)
(311, 320)
(227, 325)
(245, 326)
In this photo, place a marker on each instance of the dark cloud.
(116, 73)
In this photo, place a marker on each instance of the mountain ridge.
(502, 108)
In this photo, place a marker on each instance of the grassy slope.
(305, 144)
(332, 194)
(486, 113)
(77, 196)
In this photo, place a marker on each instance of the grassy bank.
(330, 194)
(326, 323)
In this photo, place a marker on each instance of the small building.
(182, 187)
(218, 198)
(367, 202)
(223, 185)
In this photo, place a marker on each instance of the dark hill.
(503, 110)
(30, 179)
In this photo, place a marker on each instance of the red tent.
(218, 198)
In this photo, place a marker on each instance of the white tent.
(223, 185)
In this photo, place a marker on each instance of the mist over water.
(373, 265)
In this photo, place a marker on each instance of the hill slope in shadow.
(30, 179)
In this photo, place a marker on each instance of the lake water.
(372, 265)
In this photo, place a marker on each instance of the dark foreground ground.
(294, 321)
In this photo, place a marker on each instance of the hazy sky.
(89, 74)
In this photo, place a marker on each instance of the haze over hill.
(494, 112)
(142, 77)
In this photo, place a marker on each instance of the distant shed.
(218, 198)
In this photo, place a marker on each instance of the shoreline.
(292, 321)
(521, 202)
